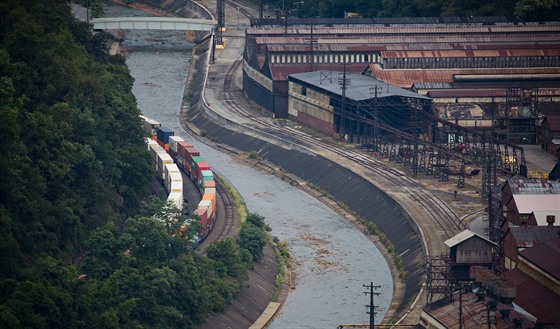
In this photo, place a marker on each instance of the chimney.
(550, 219)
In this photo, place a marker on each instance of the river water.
(333, 260)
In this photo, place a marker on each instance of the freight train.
(170, 155)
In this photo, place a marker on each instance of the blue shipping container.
(163, 134)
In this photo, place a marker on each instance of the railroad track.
(447, 221)
(229, 212)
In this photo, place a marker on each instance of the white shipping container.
(150, 126)
(173, 142)
(176, 186)
(210, 190)
(177, 199)
(206, 204)
(172, 173)
(162, 160)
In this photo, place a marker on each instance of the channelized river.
(333, 260)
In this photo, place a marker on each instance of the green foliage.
(252, 235)
(529, 10)
(78, 245)
(228, 258)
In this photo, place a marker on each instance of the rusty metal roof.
(377, 42)
(545, 255)
(471, 53)
(522, 185)
(553, 122)
(444, 93)
(409, 29)
(406, 78)
(534, 298)
(280, 72)
(530, 236)
(447, 313)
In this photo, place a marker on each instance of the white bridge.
(153, 23)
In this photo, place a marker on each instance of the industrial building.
(486, 74)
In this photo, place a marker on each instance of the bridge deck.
(153, 23)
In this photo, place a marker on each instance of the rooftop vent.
(517, 322)
(505, 313)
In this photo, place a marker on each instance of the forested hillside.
(528, 10)
(79, 248)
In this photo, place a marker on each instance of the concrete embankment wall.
(361, 196)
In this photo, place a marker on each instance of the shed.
(467, 249)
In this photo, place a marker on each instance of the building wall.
(510, 252)
(258, 93)
(474, 250)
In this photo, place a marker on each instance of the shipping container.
(212, 198)
(182, 149)
(173, 140)
(206, 204)
(209, 186)
(163, 159)
(176, 198)
(151, 142)
(171, 173)
(205, 176)
(202, 213)
(195, 160)
(190, 152)
(202, 166)
(155, 150)
(163, 134)
(150, 127)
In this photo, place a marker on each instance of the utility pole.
(371, 305)
(375, 89)
(344, 82)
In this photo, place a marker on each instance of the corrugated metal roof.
(535, 298)
(545, 255)
(473, 310)
(463, 236)
(360, 87)
(379, 42)
(280, 72)
(553, 122)
(529, 236)
(527, 203)
(439, 93)
(410, 29)
(318, 48)
(406, 78)
(471, 53)
(521, 185)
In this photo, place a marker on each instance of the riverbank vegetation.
(528, 10)
(81, 245)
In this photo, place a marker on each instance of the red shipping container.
(191, 152)
(182, 148)
(203, 214)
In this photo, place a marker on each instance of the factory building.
(486, 74)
